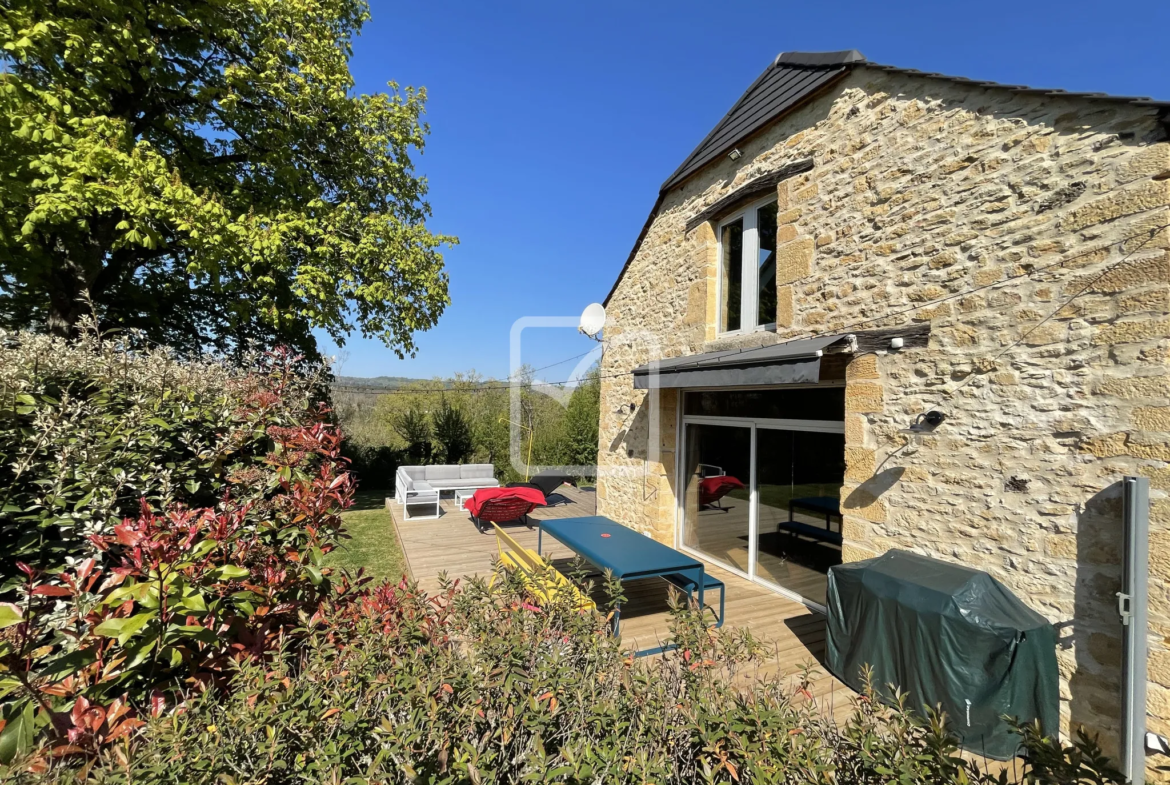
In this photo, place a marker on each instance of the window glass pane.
(804, 403)
(732, 242)
(766, 283)
(715, 511)
(799, 476)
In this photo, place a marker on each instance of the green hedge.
(162, 521)
(89, 428)
(373, 467)
(479, 686)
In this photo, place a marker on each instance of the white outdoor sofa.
(417, 485)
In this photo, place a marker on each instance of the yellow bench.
(539, 577)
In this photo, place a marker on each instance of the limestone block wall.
(1030, 232)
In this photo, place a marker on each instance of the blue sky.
(554, 123)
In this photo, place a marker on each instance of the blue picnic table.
(628, 555)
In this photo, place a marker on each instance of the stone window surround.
(754, 192)
(749, 269)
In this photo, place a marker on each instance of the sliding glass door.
(798, 536)
(761, 494)
(716, 497)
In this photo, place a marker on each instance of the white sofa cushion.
(480, 482)
(483, 482)
(470, 475)
(470, 482)
(442, 473)
(476, 470)
(445, 485)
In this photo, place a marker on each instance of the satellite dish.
(592, 320)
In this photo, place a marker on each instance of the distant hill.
(377, 382)
(367, 385)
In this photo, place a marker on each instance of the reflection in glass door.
(762, 472)
(716, 512)
(799, 475)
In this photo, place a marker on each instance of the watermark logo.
(630, 427)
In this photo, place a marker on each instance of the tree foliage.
(414, 427)
(452, 434)
(564, 427)
(203, 171)
(582, 422)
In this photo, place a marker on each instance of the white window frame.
(749, 289)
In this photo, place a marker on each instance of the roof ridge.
(1055, 92)
(818, 59)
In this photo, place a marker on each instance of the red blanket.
(504, 504)
(712, 489)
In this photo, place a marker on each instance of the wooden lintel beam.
(749, 191)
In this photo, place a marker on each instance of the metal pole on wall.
(1132, 605)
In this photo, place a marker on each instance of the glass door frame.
(685, 420)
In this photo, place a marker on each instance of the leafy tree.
(452, 433)
(581, 423)
(203, 171)
(388, 409)
(490, 428)
(415, 429)
(486, 406)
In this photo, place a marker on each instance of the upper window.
(747, 269)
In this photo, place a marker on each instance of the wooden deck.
(795, 635)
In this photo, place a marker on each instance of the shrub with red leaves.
(171, 597)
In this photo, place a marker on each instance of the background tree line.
(466, 419)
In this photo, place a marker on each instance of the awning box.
(793, 362)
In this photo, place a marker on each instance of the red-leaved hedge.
(166, 601)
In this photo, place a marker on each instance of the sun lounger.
(497, 505)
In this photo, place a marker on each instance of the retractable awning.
(794, 362)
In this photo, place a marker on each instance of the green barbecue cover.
(946, 635)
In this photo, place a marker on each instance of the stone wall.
(983, 212)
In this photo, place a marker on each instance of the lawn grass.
(374, 542)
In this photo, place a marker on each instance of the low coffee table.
(462, 496)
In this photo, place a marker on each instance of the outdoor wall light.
(735, 154)
(925, 423)
(625, 408)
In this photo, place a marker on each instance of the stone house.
(855, 245)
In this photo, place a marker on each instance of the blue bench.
(687, 584)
